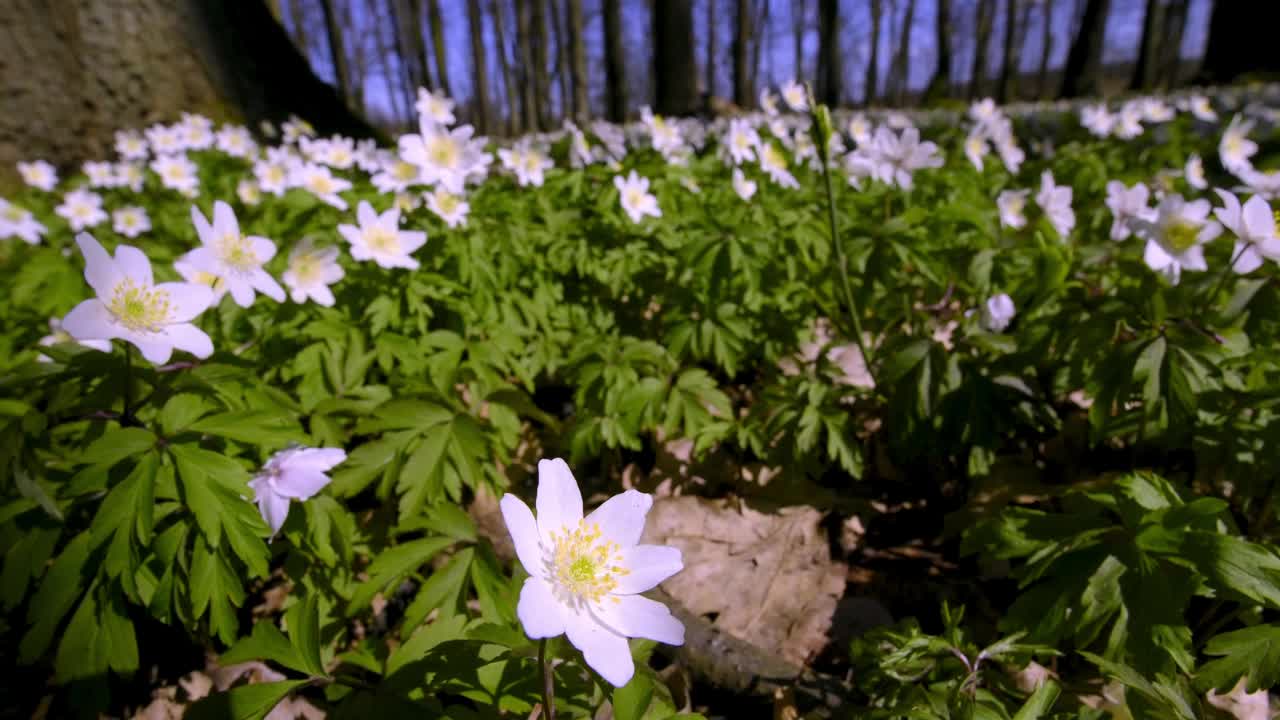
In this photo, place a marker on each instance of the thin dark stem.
(548, 682)
(1222, 278)
(843, 265)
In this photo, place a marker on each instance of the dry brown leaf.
(767, 577)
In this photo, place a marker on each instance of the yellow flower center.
(320, 185)
(14, 213)
(139, 308)
(382, 240)
(237, 251)
(583, 565)
(634, 197)
(773, 158)
(306, 268)
(443, 152)
(1180, 236)
(448, 202)
(406, 171)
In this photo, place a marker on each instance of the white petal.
(540, 613)
(365, 214)
(411, 240)
(154, 347)
(100, 270)
(604, 650)
(559, 500)
(621, 517)
(1247, 260)
(1258, 219)
(648, 565)
(316, 459)
(203, 229)
(1156, 257)
(186, 336)
(263, 248)
(90, 320)
(274, 509)
(638, 616)
(224, 219)
(524, 533)
(300, 484)
(262, 281)
(132, 262)
(241, 291)
(322, 295)
(186, 300)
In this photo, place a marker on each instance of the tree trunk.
(1171, 56)
(298, 18)
(541, 77)
(480, 76)
(830, 71)
(359, 58)
(508, 81)
(1240, 42)
(438, 45)
(798, 12)
(383, 50)
(675, 71)
(710, 68)
(564, 60)
(940, 83)
(337, 51)
(411, 49)
(74, 73)
(1146, 69)
(873, 59)
(902, 60)
(1080, 75)
(527, 72)
(982, 42)
(1043, 91)
(1009, 65)
(614, 63)
(762, 22)
(743, 93)
(581, 102)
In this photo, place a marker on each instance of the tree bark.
(761, 21)
(541, 77)
(438, 45)
(1080, 75)
(337, 51)
(901, 63)
(1146, 69)
(564, 59)
(940, 83)
(527, 69)
(1009, 65)
(675, 71)
(479, 71)
(873, 59)
(581, 101)
(830, 71)
(710, 68)
(1171, 55)
(359, 58)
(508, 81)
(798, 12)
(614, 63)
(76, 72)
(743, 94)
(1239, 43)
(982, 42)
(1046, 50)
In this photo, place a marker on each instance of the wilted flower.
(380, 239)
(130, 306)
(296, 473)
(235, 258)
(585, 573)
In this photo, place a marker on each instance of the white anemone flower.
(1200, 107)
(249, 192)
(637, 201)
(1098, 120)
(82, 209)
(976, 148)
(58, 336)
(768, 102)
(130, 221)
(433, 108)
(741, 141)
(311, 271)
(1127, 204)
(1055, 201)
(774, 163)
(794, 95)
(380, 239)
(446, 157)
(745, 187)
(189, 273)
(18, 221)
(1176, 236)
(1236, 148)
(319, 181)
(1194, 172)
(235, 258)
(177, 172)
(1012, 204)
(452, 209)
(296, 473)
(1266, 184)
(130, 306)
(997, 313)
(1254, 226)
(38, 174)
(586, 573)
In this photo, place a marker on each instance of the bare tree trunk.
(901, 63)
(298, 18)
(614, 63)
(982, 42)
(359, 59)
(1014, 34)
(743, 93)
(563, 61)
(73, 74)
(761, 22)
(798, 12)
(710, 68)
(382, 50)
(873, 59)
(1146, 70)
(830, 71)
(438, 45)
(940, 83)
(480, 77)
(1171, 57)
(578, 64)
(1080, 75)
(527, 72)
(675, 71)
(337, 51)
(508, 81)
(542, 79)
(1046, 50)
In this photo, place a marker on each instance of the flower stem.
(127, 414)
(1223, 276)
(548, 682)
(843, 265)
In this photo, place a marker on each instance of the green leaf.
(265, 642)
(394, 563)
(1253, 651)
(631, 700)
(1235, 565)
(423, 640)
(1040, 702)
(59, 590)
(248, 702)
(304, 633)
(256, 427)
(180, 411)
(116, 444)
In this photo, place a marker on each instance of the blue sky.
(1123, 37)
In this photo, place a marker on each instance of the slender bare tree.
(1043, 89)
(901, 65)
(337, 51)
(675, 71)
(873, 55)
(514, 116)
(438, 45)
(710, 67)
(940, 83)
(479, 75)
(1084, 60)
(982, 42)
(799, 15)
(614, 62)
(581, 101)
(743, 93)
(830, 72)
